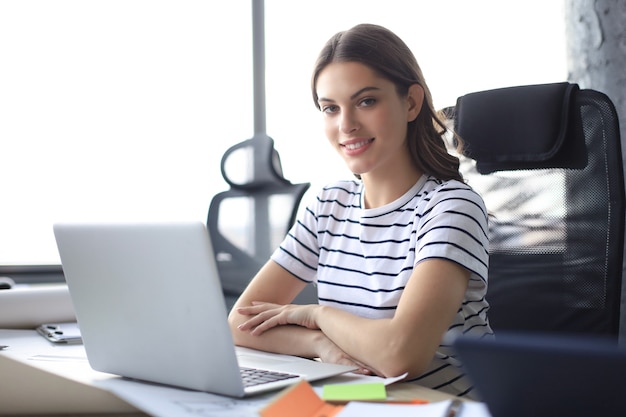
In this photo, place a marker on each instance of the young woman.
(399, 255)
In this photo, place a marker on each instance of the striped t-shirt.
(361, 259)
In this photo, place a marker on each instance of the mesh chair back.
(547, 160)
(248, 221)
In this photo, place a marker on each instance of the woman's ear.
(415, 99)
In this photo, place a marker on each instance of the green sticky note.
(374, 391)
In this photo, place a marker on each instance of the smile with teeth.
(353, 146)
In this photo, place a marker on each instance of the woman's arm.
(276, 286)
(405, 343)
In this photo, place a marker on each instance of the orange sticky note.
(300, 399)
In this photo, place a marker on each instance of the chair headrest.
(253, 163)
(522, 127)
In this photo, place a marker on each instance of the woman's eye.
(329, 109)
(366, 102)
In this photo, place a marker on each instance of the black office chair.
(247, 222)
(547, 160)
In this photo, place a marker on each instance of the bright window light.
(116, 110)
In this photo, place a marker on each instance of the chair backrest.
(547, 160)
(247, 222)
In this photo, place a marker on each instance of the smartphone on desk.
(67, 333)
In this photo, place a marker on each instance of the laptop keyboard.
(253, 376)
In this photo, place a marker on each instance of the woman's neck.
(381, 190)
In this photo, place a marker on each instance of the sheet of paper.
(162, 401)
(436, 409)
(389, 381)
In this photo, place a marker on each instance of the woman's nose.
(348, 122)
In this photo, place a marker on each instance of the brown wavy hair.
(384, 52)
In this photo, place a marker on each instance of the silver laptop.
(149, 305)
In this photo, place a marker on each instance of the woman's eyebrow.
(353, 96)
(363, 90)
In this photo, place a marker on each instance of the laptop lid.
(521, 375)
(149, 305)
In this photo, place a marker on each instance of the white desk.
(40, 378)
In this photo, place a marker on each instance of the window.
(121, 110)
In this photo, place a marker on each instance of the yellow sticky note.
(374, 391)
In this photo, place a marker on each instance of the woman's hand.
(331, 353)
(264, 316)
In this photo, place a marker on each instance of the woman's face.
(365, 119)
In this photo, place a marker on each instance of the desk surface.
(41, 378)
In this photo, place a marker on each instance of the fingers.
(256, 308)
(264, 326)
(264, 316)
(364, 371)
(258, 323)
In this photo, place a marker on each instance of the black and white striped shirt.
(361, 259)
